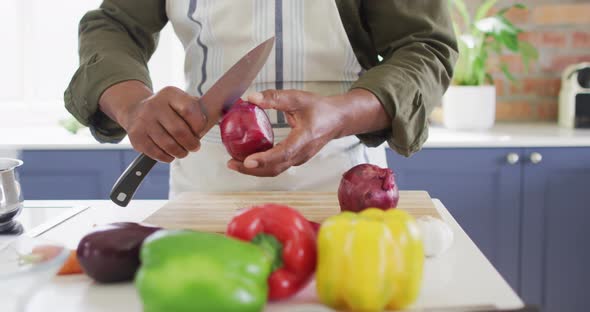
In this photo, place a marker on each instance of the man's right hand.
(164, 126)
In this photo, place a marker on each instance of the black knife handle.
(129, 182)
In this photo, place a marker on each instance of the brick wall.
(560, 30)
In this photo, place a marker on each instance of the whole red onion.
(367, 186)
(245, 130)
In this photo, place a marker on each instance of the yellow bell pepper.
(369, 261)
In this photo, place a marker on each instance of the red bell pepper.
(288, 237)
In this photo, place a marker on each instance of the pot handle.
(129, 181)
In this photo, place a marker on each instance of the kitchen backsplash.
(560, 30)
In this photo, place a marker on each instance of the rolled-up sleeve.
(115, 43)
(417, 44)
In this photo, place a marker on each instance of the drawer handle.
(536, 157)
(512, 158)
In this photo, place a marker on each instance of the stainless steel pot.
(11, 198)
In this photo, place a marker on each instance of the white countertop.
(502, 135)
(461, 277)
(510, 135)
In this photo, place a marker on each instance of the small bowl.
(26, 264)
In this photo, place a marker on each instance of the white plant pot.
(469, 107)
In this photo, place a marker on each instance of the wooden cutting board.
(211, 212)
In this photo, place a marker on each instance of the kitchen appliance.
(11, 197)
(211, 212)
(218, 99)
(574, 97)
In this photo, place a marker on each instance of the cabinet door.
(156, 184)
(556, 226)
(480, 189)
(67, 174)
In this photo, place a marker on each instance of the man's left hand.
(314, 121)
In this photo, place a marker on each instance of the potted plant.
(470, 102)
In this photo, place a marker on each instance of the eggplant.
(111, 252)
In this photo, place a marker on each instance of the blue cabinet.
(481, 190)
(69, 174)
(556, 225)
(156, 184)
(88, 174)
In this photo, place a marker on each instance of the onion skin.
(367, 186)
(245, 130)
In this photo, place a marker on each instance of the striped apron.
(311, 53)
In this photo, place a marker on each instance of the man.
(341, 71)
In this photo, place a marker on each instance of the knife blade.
(224, 93)
(217, 100)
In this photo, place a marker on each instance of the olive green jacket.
(414, 38)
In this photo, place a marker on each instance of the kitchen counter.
(460, 278)
(502, 135)
(510, 135)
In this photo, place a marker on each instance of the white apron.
(311, 53)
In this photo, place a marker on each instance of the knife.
(216, 101)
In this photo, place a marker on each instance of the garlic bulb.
(437, 236)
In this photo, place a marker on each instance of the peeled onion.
(437, 236)
(367, 186)
(245, 130)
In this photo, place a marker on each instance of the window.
(39, 56)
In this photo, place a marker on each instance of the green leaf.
(495, 46)
(487, 34)
(510, 41)
(496, 25)
(519, 6)
(501, 30)
(507, 72)
(528, 50)
(461, 8)
(479, 69)
(528, 53)
(484, 9)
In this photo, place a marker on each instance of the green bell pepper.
(194, 271)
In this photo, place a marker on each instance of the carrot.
(71, 266)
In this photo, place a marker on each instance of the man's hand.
(163, 126)
(315, 120)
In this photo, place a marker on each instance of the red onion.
(367, 186)
(110, 253)
(245, 130)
